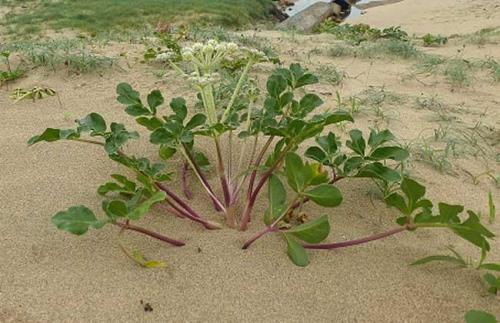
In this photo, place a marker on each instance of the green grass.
(95, 16)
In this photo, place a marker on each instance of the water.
(303, 4)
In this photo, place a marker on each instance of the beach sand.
(50, 276)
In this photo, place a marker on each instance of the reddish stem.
(222, 173)
(257, 164)
(203, 179)
(350, 243)
(207, 224)
(177, 200)
(258, 235)
(131, 227)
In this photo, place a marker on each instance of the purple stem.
(131, 227)
(207, 224)
(177, 200)
(344, 244)
(258, 235)
(184, 180)
(202, 178)
(170, 209)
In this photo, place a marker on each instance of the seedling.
(233, 119)
(10, 74)
(434, 40)
(36, 93)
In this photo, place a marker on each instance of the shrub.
(287, 118)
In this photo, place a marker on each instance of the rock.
(309, 18)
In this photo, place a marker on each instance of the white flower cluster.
(165, 56)
(209, 53)
(203, 80)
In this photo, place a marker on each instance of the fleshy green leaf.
(314, 231)
(474, 316)
(297, 174)
(140, 210)
(167, 152)
(306, 79)
(325, 195)
(308, 103)
(77, 220)
(394, 153)
(277, 199)
(150, 123)
(127, 95)
(357, 142)
(296, 251)
(178, 105)
(93, 122)
(136, 110)
(50, 135)
(413, 191)
(317, 154)
(155, 99)
(276, 84)
(196, 121)
(379, 171)
(379, 138)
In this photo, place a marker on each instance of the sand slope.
(50, 276)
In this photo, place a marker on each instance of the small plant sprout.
(259, 142)
(10, 74)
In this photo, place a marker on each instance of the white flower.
(165, 56)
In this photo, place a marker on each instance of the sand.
(50, 276)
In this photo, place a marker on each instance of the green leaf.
(93, 122)
(491, 208)
(317, 154)
(136, 110)
(196, 121)
(140, 210)
(338, 116)
(150, 123)
(379, 138)
(394, 153)
(474, 316)
(357, 142)
(127, 95)
(472, 236)
(277, 199)
(161, 136)
(296, 252)
(167, 152)
(314, 231)
(397, 201)
(117, 208)
(178, 105)
(328, 143)
(109, 187)
(413, 191)
(490, 266)
(276, 84)
(449, 213)
(439, 258)
(306, 79)
(297, 173)
(118, 137)
(77, 220)
(379, 171)
(308, 103)
(155, 99)
(50, 135)
(325, 195)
